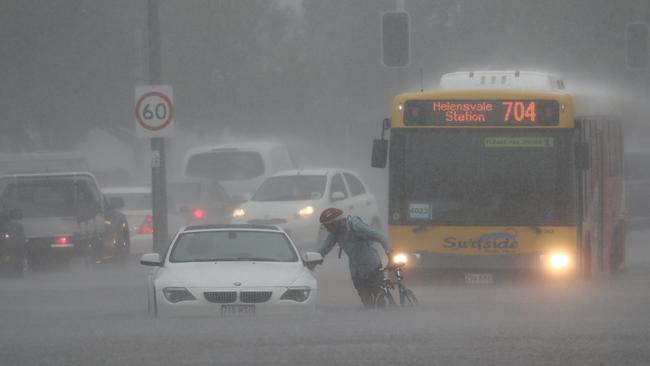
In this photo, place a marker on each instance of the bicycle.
(384, 297)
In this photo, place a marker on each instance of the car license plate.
(479, 278)
(237, 310)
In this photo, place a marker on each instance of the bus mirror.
(379, 153)
(582, 156)
(385, 124)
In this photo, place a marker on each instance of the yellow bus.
(501, 171)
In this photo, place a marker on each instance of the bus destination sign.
(511, 112)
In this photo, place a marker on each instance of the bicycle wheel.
(384, 299)
(408, 298)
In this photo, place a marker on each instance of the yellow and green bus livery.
(493, 177)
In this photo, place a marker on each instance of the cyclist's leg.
(365, 291)
(376, 279)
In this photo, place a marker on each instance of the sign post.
(154, 119)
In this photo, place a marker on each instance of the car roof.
(126, 189)
(226, 227)
(50, 175)
(241, 146)
(311, 171)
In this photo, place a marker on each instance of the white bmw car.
(230, 270)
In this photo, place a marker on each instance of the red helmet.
(330, 215)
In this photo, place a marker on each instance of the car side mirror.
(337, 196)
(151, 259)
(115, 203)
(313, 258)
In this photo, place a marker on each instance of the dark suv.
(65, 215)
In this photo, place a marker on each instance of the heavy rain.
(165, 167)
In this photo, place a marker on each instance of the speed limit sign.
(154, 111)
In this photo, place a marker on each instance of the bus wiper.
(420, 228)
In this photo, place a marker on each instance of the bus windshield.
(481, 177)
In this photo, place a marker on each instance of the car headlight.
(177, 294)
(305, 212)
(300, 294)
(238, 213)
(400, 259)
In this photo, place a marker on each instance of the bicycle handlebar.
(393, 267)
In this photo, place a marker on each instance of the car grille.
(254, 296)
(223, 297)
(267, 221)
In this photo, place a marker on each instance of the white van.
(239, 167)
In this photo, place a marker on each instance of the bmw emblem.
(237, 283)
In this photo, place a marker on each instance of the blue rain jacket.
(357, 242)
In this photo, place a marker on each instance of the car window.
(208, 246)
(338, 186)
(355, 185)
(291, 188)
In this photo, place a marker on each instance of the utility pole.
(158, 172)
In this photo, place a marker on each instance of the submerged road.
(96, 316)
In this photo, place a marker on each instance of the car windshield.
(233, 245)
(225, 165)
(291, 188)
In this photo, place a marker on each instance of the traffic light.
(395, 41)
(636, 45)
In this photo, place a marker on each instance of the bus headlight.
(559, 261)
(400, 259)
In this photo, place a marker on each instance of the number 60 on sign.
(154, 111)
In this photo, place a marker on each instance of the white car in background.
(239, 167)
(137, 209)
(294, 199)
(230, 270)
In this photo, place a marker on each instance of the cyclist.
(355, 238)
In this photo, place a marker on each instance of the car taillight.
(198, 214)
(147, 225)
(62, 241)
